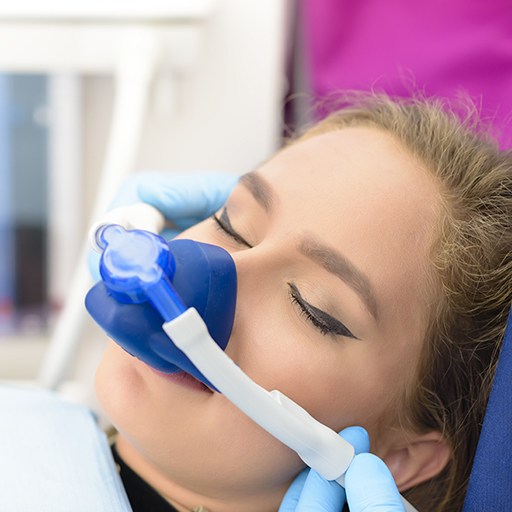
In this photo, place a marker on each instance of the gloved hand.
(369, 485)
(184, 199)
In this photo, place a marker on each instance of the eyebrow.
(260, 189)
(337, 264)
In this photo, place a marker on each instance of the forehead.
(354, 156)
(359, 171)
(360, 191)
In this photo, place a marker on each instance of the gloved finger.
(291, 498)
(128, 191)
(370, 486)
(320, 495)
(358, 438)
(193, 196)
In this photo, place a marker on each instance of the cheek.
(116, 384)
(124, 385)
(120, 384)
(340, 382)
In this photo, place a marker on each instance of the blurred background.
(110, 88)
(90, 93)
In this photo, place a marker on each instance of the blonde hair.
(472, 270)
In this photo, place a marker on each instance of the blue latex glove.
(185, 199)
(369, 485)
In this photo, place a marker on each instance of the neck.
(184, 499)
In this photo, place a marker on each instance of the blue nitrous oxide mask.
(147, 281)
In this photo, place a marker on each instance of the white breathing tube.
(317, 445)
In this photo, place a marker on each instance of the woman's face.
(330, 240)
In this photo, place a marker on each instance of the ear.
(420, 458)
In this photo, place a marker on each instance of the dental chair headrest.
(490, 484)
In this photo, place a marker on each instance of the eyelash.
(226, 229)
(326, 326)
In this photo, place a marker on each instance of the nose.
(260, 272)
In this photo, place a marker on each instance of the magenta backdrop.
(441, 47)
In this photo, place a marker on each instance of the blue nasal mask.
(139, 269)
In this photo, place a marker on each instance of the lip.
(183, 379)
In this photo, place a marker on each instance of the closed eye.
(321, 320)
(224, 224)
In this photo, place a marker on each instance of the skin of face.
(357, 191)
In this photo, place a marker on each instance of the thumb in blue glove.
(370, 486)
(310, 492)
(185, 199)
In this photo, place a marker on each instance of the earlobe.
(422, 458)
